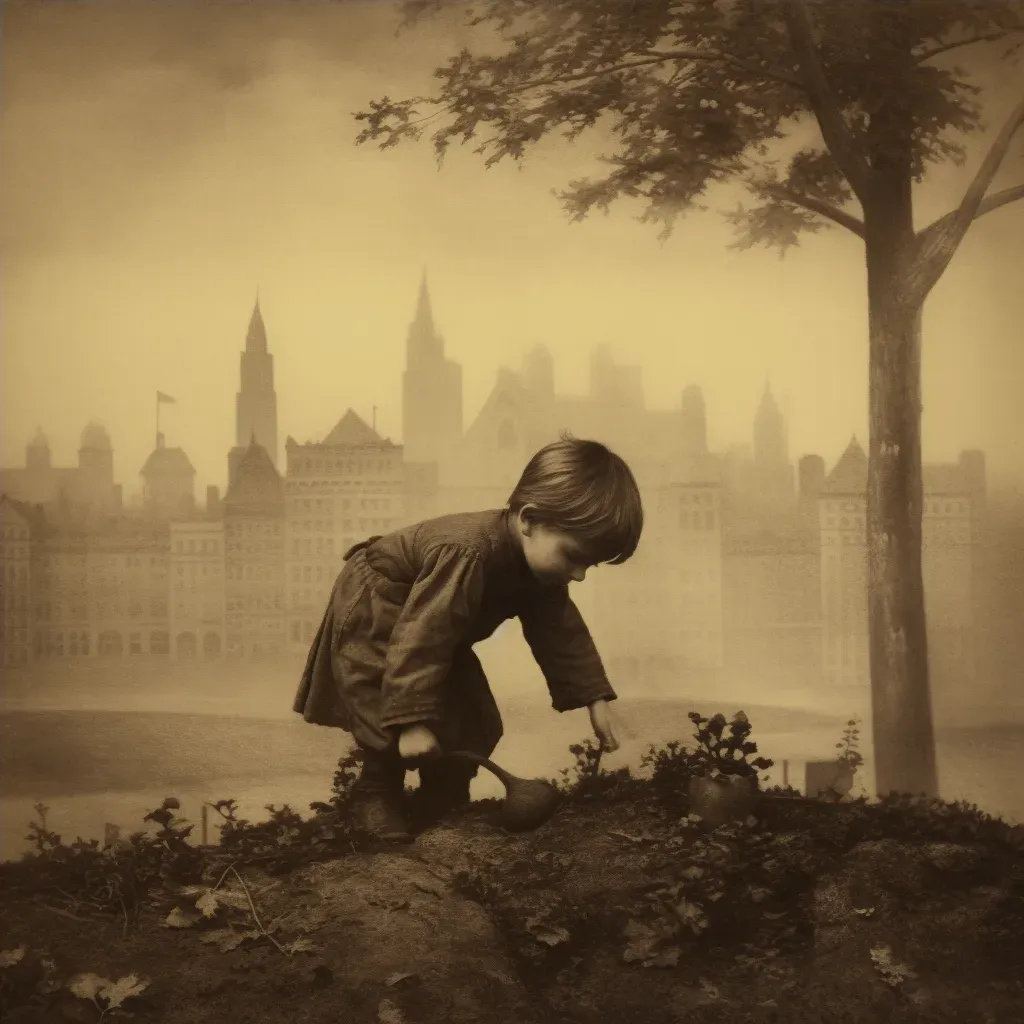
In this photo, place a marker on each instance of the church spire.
(424, 316)
(423, 338)
(256, 336)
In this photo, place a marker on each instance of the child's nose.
(579, 575)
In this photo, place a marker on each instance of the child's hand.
(417, 742)
(601, 722)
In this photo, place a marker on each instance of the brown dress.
(396, 642)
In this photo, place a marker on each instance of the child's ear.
(527, 517)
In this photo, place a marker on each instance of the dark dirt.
(470, 924)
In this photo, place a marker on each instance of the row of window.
(197, 547)
(319, 465)
(296, 506)
(691, 520)
(111, 643)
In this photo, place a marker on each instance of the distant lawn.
(62, 753)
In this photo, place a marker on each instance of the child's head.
(576, 505)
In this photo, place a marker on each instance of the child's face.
(554, 556)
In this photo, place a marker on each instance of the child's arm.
(565, 651)
(435, 619)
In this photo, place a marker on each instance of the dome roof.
(95, 437)
(167, 462)
(40, 440)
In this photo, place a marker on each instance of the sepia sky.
(161, 162)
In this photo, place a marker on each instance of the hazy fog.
(162, 162)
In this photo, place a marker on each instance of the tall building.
(254, 557)
(338, 492)
(16, 528)
(772, 608)
(947, 570)
(431, 390)
(96, 469)
(196, 605)
(844, 570)
(256, 401)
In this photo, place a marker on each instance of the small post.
(111, 834)
(205, 818)
(785, 774)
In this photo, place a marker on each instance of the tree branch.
(819, 206)
(936, 245)
(987, 37)
(659, 58)
(834, 129)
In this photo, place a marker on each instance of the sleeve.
(435, 619)
(565, 651)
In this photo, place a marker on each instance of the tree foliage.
(696, 93)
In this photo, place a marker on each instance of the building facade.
(750, 569)
(337, 492)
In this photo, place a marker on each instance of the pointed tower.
(431, 390)
(37, 454)
(770, 443)
(256, 401)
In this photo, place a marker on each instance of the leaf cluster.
(688, 94)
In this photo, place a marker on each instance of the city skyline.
(739, 443)
(132, 269)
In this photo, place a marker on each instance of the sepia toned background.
(164, 166)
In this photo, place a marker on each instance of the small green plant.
(725, 753)
(121, 878)
(849, 746)
(586, 778)
(286, 839)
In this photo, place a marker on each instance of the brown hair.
(584, 488)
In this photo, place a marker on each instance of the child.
(393, 661)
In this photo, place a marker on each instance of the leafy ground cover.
(626, 906)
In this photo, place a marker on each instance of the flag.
(161, 397)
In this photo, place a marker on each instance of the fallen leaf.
(668, 957)
(300, 946)
(893, 974)
(179, 918)
(648, 947)
(709, 990)
(692, 915)
(227, 938)
(9, 957)
(389, 1013)
(124, 988)
(208, 904)
(87, 986)
(394, 979)
(549, 934)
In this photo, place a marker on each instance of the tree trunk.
(904, 740)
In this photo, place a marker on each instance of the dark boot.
(378, 799)
(444, 787)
